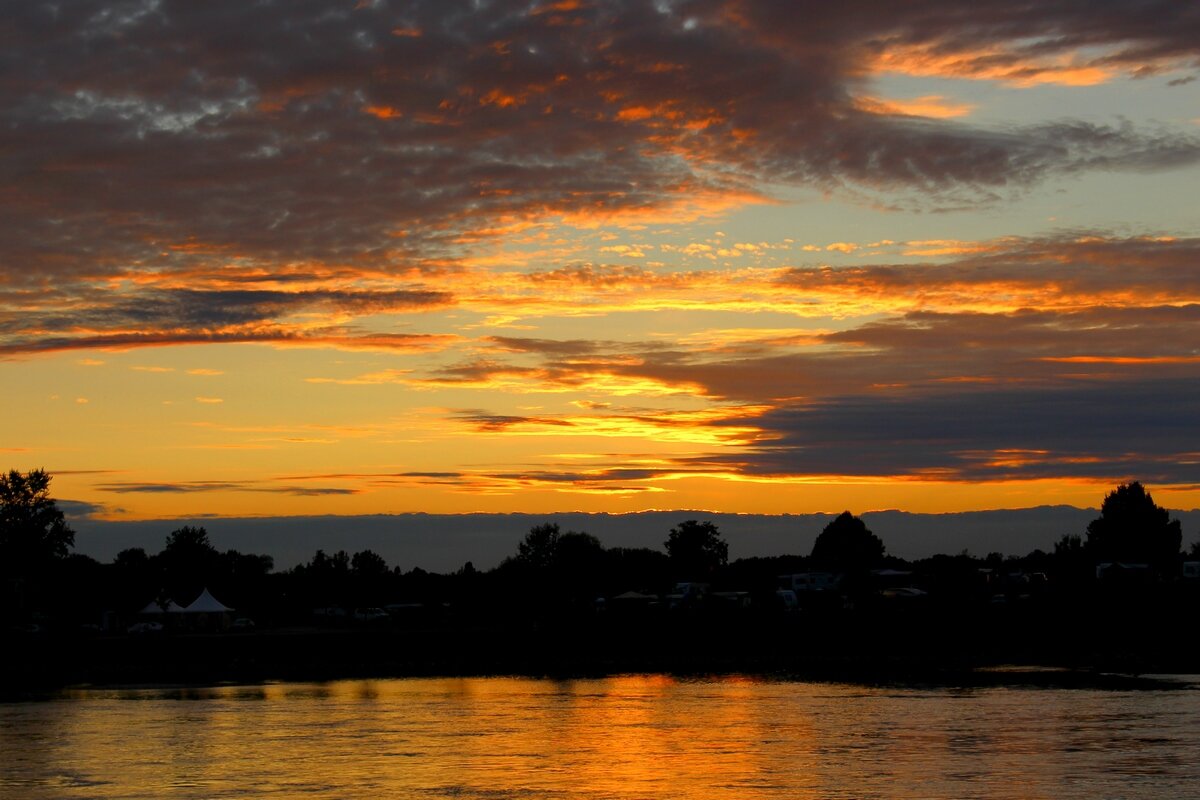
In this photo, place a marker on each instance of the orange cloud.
(712, 427)
(933, 105)
(995, 63)
(369, 379)
(589, 379)
(383, 112)
(1134, 360)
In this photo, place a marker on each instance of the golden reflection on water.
(620, 738)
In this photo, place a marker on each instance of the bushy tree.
(538, 548)
(325, 581)
(1069, 546)
(189, 563)
(1131, 528)
(696, 549)
(1070, 560)
(188, 540)
(33, 531)
(577, 550)
(846, 544)
(371, 578)
(323, 565)
(242, 580)
(368, 564)
(578, 566)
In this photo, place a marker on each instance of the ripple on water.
(622, 738)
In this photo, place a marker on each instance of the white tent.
(206, 604)
(154, 608)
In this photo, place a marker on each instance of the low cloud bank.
(444, 542)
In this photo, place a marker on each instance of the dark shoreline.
(847, 653)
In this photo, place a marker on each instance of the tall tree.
(1131, 528)
(847, 544)
(33, 531)
(696, 549)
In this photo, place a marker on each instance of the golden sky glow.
(601, 256)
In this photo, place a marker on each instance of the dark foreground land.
(1123, 602)
(945, 648)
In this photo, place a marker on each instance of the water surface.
(619, 738)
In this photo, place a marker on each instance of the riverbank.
(875, 651)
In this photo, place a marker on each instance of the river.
(618, 738)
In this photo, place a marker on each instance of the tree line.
(551, 572)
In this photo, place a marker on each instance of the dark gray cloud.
(1113, 430)
(186, 316)
(1144, 31)
(917, 349)
(215, 309)
(79, 509)
(143, 136)
(1083, 263)
(1025, 336)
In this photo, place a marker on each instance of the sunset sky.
(295, 258)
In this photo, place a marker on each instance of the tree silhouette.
(368, 564)
(578, 566)
(577, 552)
(33, 532)
(846, 544)
(539, 546)
(188, 541)
(1070, 560)
(188, 561)
(1069, 546)
(370, 578)
(325, 581)
(1132, 529)
(696, 549)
